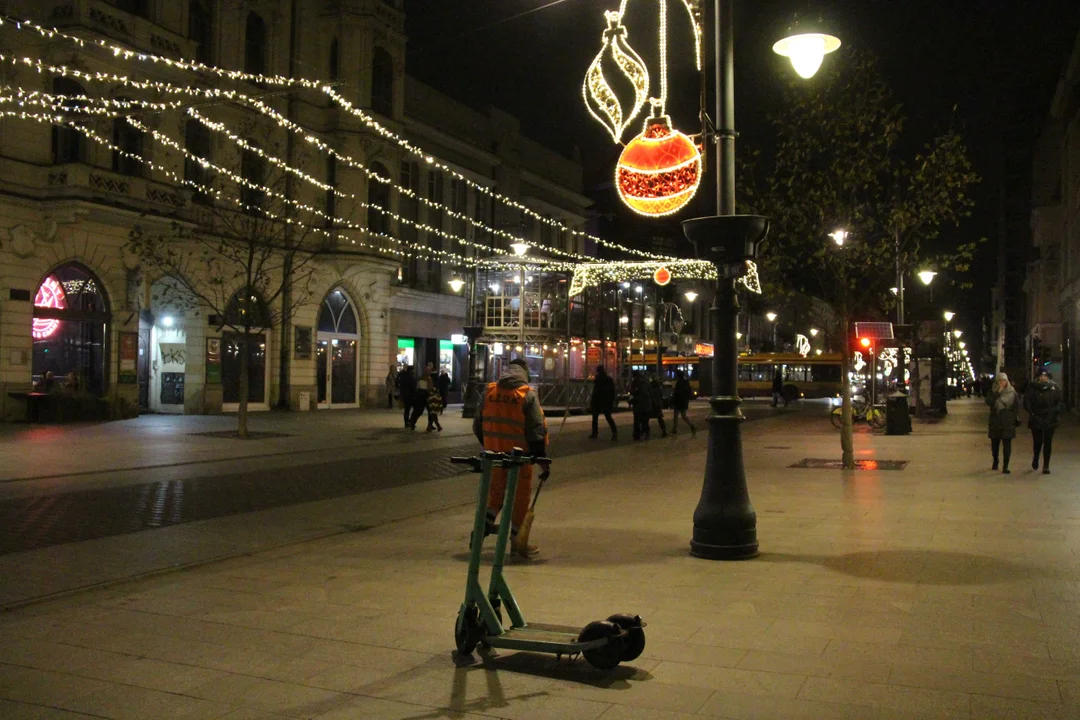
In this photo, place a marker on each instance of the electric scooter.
(604, 643)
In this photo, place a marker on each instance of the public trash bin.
(897, 416)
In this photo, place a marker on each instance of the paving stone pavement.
(944, 590)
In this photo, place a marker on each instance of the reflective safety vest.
(503, 419)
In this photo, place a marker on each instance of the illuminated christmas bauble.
(659, 171)
(662, 276)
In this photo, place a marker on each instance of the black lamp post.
(725, 525)
(472, 383)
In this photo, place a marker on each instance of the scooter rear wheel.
(608, 655)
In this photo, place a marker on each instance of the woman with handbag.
(1004, 417)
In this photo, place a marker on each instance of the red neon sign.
(49, 295)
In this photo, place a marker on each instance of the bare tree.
(247, 259)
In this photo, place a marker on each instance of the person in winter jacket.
(641, 400)
(1004, 417)
(509, 416)
(442, 382)
(680, 400)
(434, 407)
(778, 389)
(656, 399)
(603, 402)
(1042, 400)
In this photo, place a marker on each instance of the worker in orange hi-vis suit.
(510, 416)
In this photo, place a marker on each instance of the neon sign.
(49, 295)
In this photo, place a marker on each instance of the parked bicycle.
(861, 410)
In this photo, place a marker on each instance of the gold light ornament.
(659, 171)
(600, 99)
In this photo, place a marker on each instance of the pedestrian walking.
(1042, 400)
(406, 383)
(434, 407)
(1004, 417)
(778, 389)
(391, 386)
(420, 397)
(641, 401)
(680, 401)
(509, 416)
(603, 402)
(442, 383)
(656, 398)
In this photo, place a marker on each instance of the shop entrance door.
(335, 371)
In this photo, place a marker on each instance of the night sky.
(996, 62)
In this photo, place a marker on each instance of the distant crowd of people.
(646, 401)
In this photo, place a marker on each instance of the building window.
(382, 82)
(69, 331)
(197, 142)
(129, 145)
(68, 145)
(253, 169)
(378, 201)
(200, 29)
(333, 59)
(255, 44)
(135, 7)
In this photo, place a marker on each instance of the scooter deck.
(544, 638)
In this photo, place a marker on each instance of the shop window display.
(70, 331)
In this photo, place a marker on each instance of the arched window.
(70, 328)
(378, 201)
(337, 315)
(255, 45)
(334, 59)
(68, 145)
(128, 142)
(197, 142)
(201, 29)
(382, 82)
(247, 310)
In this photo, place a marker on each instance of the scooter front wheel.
(467, 631)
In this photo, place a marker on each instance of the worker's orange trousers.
(497, 493)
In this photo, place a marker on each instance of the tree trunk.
(242, 429)
(847, 445)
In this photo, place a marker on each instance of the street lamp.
(839, 236)
(770, 316)
(519, 247)
(949, 315)
(927, 276)
(456, 283)
(725, 524)
(690, 295)
(957, 333)
(813, 332)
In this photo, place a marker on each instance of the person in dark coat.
(1042, 400)
(406, 383)
(603, 402)
(778, 389)
(434, 407)
(420, 398)
(680, 400)
(1004, 406)
(442, 383)
(656, 399)
(642, 404)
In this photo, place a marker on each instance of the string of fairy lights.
(126, 54)
(80, 105)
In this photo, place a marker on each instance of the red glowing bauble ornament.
(662, 276)
(659, 171)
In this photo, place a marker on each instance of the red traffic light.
(865, 342)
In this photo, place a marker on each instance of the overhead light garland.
(126, 54)
(592, 274)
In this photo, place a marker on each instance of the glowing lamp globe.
(659, 171)
(806, 51)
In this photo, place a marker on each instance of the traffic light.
(865, 343)
(1045, 356)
